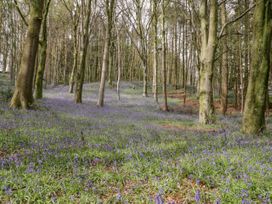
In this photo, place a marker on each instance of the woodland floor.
(128, 152)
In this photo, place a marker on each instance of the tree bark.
(23, 96)
(224, 68)
(110, 5)
(42, 56)
(81, 71)
(155, 51)
(208, 47)
(165, 106)
(75, 59)
(119, 63)
(255, 104)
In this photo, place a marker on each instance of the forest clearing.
(136, 101)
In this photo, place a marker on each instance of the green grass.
(57, 157)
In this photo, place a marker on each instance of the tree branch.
(234, 20)
(20, 12)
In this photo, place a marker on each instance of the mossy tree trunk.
(208, 47)
(255, 104)
(23, 96)
(42, 55)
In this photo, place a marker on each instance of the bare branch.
(234, 20)
(20, 12)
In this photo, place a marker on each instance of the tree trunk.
(144, 62)
(224, 69)
(255, 104)
(118, 63)
(81, 71)
(42, 56)
(105, 64)
(155, 51)
(208, 46)
(75, 59)
(165, 107)
(23, 96)
(111, 64)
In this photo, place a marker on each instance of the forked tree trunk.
(255, 104)
(81, 71)
(208, 46)
(42, 56)
(23, 96)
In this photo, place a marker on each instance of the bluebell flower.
(198, 182)
(7, 190)
(197, 196)
(245, 201)
(158, 199)
(30, 168)
(119, 196)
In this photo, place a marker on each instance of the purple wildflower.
(158, 199)
(7, 190)
(30, 168)
(119, 196)
(197, 196)
(245, 201)
(89, 185)
(198, 182)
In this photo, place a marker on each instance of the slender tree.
(119, 61)
(155, 49)
(42, 54)
(224, 68)
(110, 9)
(165, 106)
(85, 45)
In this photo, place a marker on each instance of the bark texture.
(23, 95)
(42, 55)
(224, 68)
(255, 104)
(110, 5)
(208, 47)
(81, 71)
